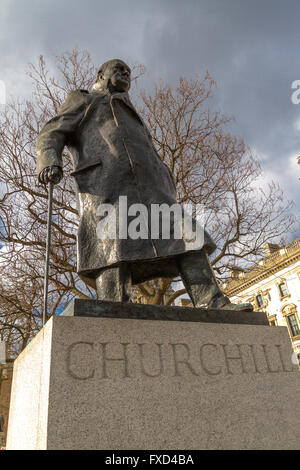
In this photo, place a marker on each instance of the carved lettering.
(228, 358)
(142, 360)
(202, 354)
(71, 351)
(177, 360)
(254, 358)
(123, 359)
(268, 362)
(171, 359)
(278, 346)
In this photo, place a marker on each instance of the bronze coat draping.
(113, 155)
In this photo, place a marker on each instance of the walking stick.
(48, 241)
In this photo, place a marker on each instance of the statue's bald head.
(113, 75)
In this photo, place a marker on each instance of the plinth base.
(120, 383)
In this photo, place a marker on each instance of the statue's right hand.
(51, 174)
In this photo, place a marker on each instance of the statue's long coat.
(113, 155)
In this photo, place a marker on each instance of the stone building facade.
(272, 285)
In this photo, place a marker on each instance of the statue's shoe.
(238, 307)
(221, 302)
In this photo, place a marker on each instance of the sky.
(250, 47)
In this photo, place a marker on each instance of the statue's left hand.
(51, 174)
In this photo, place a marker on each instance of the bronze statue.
(113, 155)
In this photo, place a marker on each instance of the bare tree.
(23, 204)
(209, 165)
(213, 168)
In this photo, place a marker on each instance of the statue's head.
(113, 75)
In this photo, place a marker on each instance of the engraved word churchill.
(104, 360)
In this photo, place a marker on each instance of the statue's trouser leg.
(199, 280)
(114, 284)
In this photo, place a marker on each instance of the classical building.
(272, 285)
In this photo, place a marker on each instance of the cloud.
(250, 48)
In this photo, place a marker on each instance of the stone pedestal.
(179, 380)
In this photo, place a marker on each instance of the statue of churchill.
(113, 155)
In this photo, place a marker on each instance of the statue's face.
(117, 76)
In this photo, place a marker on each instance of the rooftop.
(277, 258)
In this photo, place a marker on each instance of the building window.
(283, 289)
(273, 320)
(293, 324)
(260, 300)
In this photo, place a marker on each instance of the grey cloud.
(250, 48)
